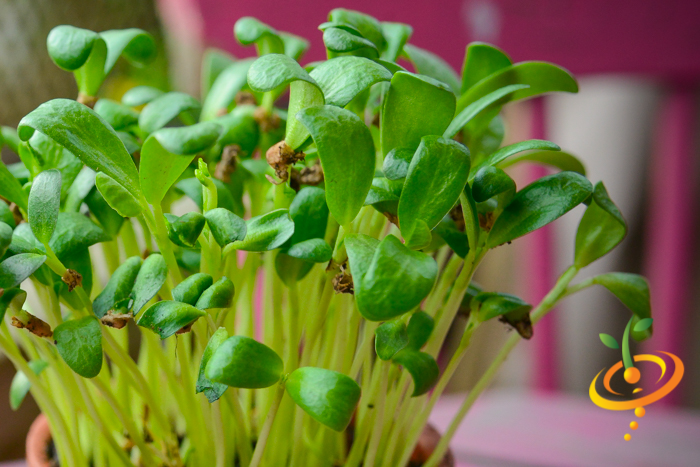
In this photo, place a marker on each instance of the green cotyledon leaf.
(118, 288)
(17, 268)
(314, 250)
(225, 226)
(218, 295)
(168, 317)
(480, 61)
(213, 391)
(20, 383)
(223, 92)
(538, 204)
(436, 177)
(367, 25)
(11, 189)
(266, 232)
(79, 343)
(633, 291)
(429, 64)
(242, 362)
(149, 280)
(44, 203)
(85, 134)
(422, 367)
(419, 329)
(343, 78)
(116, 196)
(69, 47)
(393, 282)
(118, 115)
(507, 151)
(249, 30)
(189, 290)
(185, 230)
(346, 151)
(396, 36)
(161, 110)
(491, 181)
(390, 338)
(140, 95)
(340, 40)
(5, 238)
(414, 106)
(327, 396)
(601, 229)
(559, 159)
(167, 153)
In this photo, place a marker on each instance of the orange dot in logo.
(634, 425)
(639, 412)
(628, 437)
(632, 375)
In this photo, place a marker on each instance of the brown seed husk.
(523, 325)
(457, 216)
(73, 279)
(342, 282)
(266, 121)
(244, 98)
(228, 163)
(34, 325)
(116, 320)
(185, 329)
(486, 221)
(280, 157)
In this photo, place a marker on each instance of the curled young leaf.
(218, 295)
(242, 362)
(189, 290)
(149, 280)
(390, 338)
(185, 230)
(69, 47)
(633, 291)
(538, 204)
(249, 30)
(118, 288)
(342, 78)
(225, 226)
(422, 367)
(79, 343)
(489, 182)
(339, 40)
(601, 229)
(168, 317)
(327, 396)
(213, 391)
(44, 203)
(346, 151)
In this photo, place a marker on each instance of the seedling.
(306, 297)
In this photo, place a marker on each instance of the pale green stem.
(265, 432)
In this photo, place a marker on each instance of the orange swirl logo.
(632, 375)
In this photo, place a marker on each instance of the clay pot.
(39, 453)
(38, 442)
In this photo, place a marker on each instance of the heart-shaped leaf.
(394, 282)
(44, 203)
(79, 343)
(168, 317)
(346, 151)
(218, 295)
(538, 204)
(267, 232)
(480, 61)
(633, 291)
(141, 95)
(414, 106)
(189, 290)
(161, 110)
(609, 341)
(390, 338)
(601, 229)
(242, 362)
(429, 64)
(327, 396)
(213, 391)
(118, 115)
(185, 230)
(167, 153)
(422, 367)
(17, 268)
(149, 280)
(85, 134)
(118, 288)
(20, 383)
(225, 226)
(341, 79)
(436, 177)
(223, 92)
(419, 329)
